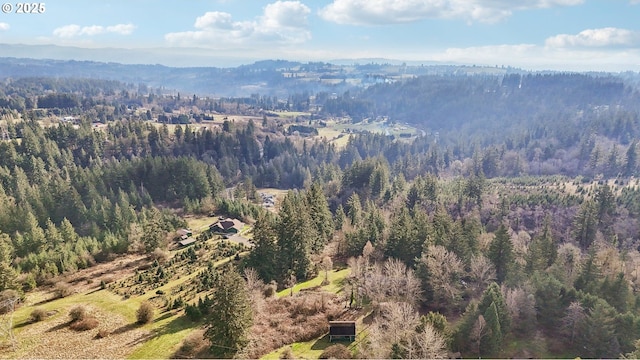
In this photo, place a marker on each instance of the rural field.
(110, 294)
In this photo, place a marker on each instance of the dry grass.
(38, 314)
(337, 351)
(125, 266)
(54, 338)
(193, 346)
(63, 289)
(293, 319)
(88, 323)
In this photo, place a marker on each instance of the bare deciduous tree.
(571, 322)
(326, 266)
(479, 332)
(445, 270)
(256, 289)
(568, 263)
(402, 284)
(395, 323)
(8, 301)
(429, 344)
(522, 308)
(481, 273)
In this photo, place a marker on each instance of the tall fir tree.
(542, 250)
(501, 253)
(8, 275)
(230, 315)
(296, 234)
(403, 243)
(263, 257)
(585, 224)
(320, 214)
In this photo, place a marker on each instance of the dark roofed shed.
(342, 330)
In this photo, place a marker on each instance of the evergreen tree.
(501, 253)
(616, 292)
(493, 295)
(552, 298)
(632, 159)
(354, 209)
(263, 257)
(492, 343)
(320, 214)
(296, 234)
(8, 275)
(542, 250)
(605, 207)
(230, 315)
(403, 243)
(339, 218)
(589, 277)
(597, 338)
(585, 224)
(153, 235)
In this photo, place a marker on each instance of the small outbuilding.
(342, 330)
(187, 241)
(183, 232)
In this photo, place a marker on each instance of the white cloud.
(604, 37)
(121, 29)
(537, 57)
(282, 22)
(73, 30)
(379, 12)
(4, 26)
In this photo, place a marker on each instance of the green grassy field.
(338, 132)
(336, 280)
(116, 316)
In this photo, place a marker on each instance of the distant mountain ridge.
(280, 78)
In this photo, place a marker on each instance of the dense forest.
(464, 239)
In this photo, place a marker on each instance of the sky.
(595, 35)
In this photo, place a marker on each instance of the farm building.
(227, 226)
(341, 330)
(187, 241)
(183, 232)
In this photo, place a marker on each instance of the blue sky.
(532, 34)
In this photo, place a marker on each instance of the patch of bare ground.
(302, 317)
(194, 346)
(113, 337)
(88, 279)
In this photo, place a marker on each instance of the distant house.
(342, 330)
(227, 226)
(183, 232)
(187, 241)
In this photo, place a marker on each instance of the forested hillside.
(508, 227)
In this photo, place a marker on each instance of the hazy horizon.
(576, 35)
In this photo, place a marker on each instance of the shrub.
(38, 314)
(6, 297)
(337, 351)
(63, 289)
(193, 312)
(78, 313)
(269, 290)
(160, 256)
(102, 333)
(88, 323)
(144, 313)
(286, 353)
(192, 346)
